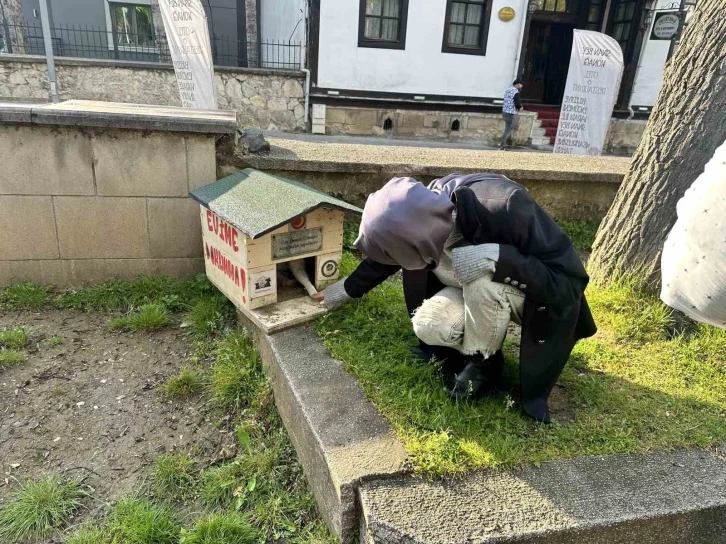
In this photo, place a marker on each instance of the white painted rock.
(694, 255)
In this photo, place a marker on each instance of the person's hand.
(319, 296)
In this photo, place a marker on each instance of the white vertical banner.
(188, 35)
(593, 81)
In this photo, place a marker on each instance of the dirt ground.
(92, 406)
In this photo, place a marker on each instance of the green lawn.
(639, 385)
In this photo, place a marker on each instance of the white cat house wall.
(255, 228)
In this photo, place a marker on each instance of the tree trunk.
(688, 123)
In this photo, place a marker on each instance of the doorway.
(547, 61)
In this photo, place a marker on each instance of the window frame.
(111, 30)
(481, 49)
(383, 44)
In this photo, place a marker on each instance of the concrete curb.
(340, 438)
(659, 498)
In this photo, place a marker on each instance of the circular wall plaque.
(506, 14)
(665, 26)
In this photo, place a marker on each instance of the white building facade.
(439, 68)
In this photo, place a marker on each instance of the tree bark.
(686, 126)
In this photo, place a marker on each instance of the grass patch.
(25, 296)
(209, 316)
(135, 520)
(236, 376)
(582, 233)
(88, 534)
(13, 338)
(174, 476)
(632, 388)
(55, 341)
(10, 357)
(185, 384)
(229, 528)
(40, 508)
(150, 317)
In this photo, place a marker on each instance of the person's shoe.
(502, 148)
(478, 377)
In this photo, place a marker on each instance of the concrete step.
(661, 498)
(539, 142)
(539, 132)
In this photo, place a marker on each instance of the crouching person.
(477, 252)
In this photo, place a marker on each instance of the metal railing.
(100, 43)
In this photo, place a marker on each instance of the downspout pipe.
(307, 98)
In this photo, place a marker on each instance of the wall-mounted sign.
(297, 242)
(506, 14)
(665, 26)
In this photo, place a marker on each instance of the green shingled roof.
(257, 203)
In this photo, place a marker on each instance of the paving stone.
(660, 498)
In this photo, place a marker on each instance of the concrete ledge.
(88, 113)
(661, 498)
(340, 438)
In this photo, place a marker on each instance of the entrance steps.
(548, 119)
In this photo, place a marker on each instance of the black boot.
(479, 376)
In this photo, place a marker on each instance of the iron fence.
(101, 43)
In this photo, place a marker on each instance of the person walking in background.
(510, 106)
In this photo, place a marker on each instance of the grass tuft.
(25, 296)
(10, 357)
(236, 377)
(150, 317)
(40, 508)
(174, 476)
(185, 384)
(56, 341)
(136, 520)
(13, 338)
(228, 528)
(208, 316)
(88, 534)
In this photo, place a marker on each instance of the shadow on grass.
(629, 389)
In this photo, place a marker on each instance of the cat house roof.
(257, 203)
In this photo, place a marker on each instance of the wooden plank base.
(284, 315)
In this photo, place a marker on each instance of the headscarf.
(405, 224)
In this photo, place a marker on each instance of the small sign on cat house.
(269, 243)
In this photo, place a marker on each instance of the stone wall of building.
(483, 127)
(262, 98)
(624, 135)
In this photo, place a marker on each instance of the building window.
(382, 23)
(466, 26)
(132, 25)
(623, 18)
(594, 16)
(559, 6)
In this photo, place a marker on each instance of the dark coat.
(534, 254)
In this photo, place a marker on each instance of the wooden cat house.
(254, 227)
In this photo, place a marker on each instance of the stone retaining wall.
(483, 127)
(85, 205)
(266, 99)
